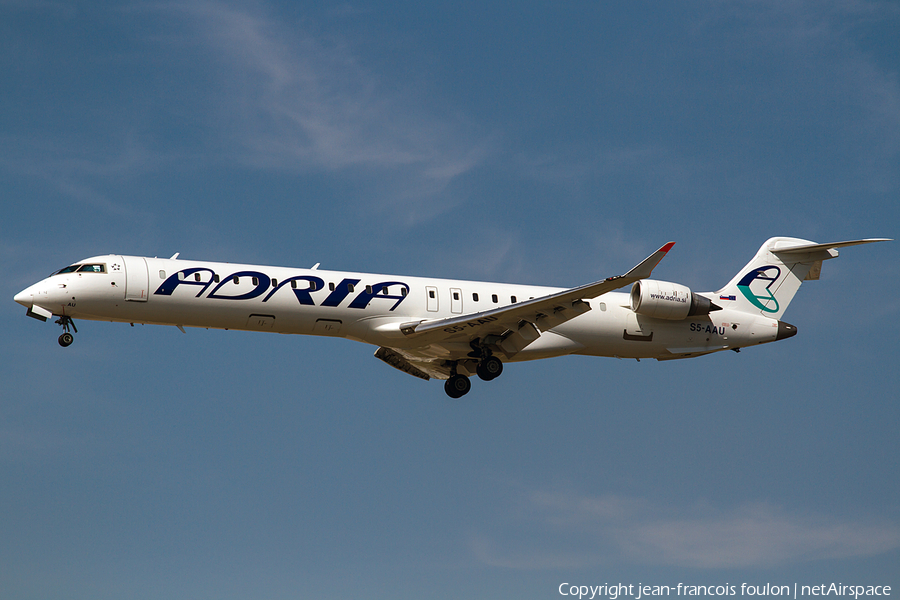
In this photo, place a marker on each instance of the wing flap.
(400, 362)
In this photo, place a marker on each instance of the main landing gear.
(459, 385)
(66, 338)
(489, 368)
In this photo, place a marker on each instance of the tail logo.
(768, 273)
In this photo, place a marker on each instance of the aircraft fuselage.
(366, 307)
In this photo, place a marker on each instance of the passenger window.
(384, 290)
(495, 298)
(216, 277)
(255, 280)
(512, 299)
(368, 289)
(456, 295)
(162, 274)
(236, 280)
(331, 286)
(294, 283)
(351, 288)
(431, 293)
(196, 276)
(475, 297)
(274, 283)
(403, 292)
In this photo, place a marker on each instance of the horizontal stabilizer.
(804, 248)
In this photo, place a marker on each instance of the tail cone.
(785, 330)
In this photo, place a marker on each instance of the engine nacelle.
(666, 300)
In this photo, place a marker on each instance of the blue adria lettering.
(343, 289)
(380, 290)
(303, 296)
(261, 280)
(184, 278)
(303, 287)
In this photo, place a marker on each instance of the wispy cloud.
(76, 172)
(567, 529)
(291, 100)
(232, 85)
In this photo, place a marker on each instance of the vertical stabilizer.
(769, 281)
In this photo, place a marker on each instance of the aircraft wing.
(513, 327)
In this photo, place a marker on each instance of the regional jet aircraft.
(443, 328)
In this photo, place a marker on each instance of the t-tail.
(769, 281)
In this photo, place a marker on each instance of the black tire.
(66, 339)
(457, 386)
(490, 368)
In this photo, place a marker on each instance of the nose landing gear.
(66, 338)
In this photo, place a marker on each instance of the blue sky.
(546, 143)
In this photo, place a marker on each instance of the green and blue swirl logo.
(768, 273)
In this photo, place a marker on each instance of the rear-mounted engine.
(666, 300)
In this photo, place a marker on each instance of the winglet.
(645, 268)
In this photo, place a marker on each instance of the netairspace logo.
(639, 591)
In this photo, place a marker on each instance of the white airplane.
(443, 328)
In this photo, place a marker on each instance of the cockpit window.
(92, 269)
(71, 269)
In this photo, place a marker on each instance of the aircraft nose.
(25, 297)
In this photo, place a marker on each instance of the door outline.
(137, 279)
(431, 298)
(456, 304)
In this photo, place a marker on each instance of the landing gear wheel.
(489, 368)
(457, 386)
(66, 338)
